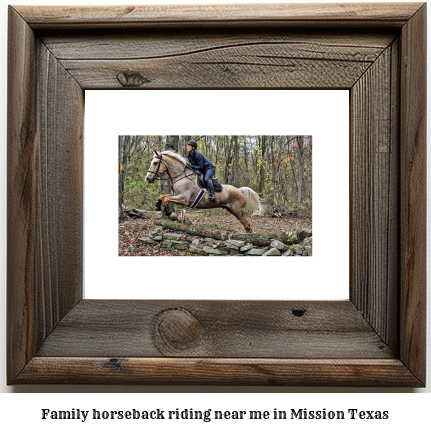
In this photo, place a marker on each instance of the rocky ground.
(132, 231)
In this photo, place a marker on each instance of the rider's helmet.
(192, 143)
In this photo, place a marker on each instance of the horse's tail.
(253, 201)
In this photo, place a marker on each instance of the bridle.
(171, 178)
(156, 173)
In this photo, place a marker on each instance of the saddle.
(202, 183)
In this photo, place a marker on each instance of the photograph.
(215, 195)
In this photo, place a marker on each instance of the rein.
(156, 173)
(171, 178)
(185, 176)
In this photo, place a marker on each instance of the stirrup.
(212, 197)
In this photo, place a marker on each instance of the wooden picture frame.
(376, 338)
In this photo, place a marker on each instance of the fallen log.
(137, 213)
(259, 239)
(193, 229)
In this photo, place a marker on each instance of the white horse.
(186, 191)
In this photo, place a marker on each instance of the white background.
(322, 114)
(22, 409)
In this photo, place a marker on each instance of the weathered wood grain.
(211, 60)
(21, 194)
(413, 194)
(300, 15)
(200, 73)
(59, 182)
(374, 194)
(328, 372)
(44, 193)
(146, 45)
(235, 329)
(55, 337)
(392, 300)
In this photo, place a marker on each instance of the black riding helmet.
(192, 143)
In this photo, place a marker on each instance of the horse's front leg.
(176, 199)
(159, 202)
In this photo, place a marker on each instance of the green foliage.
(138, 193)
(270, 165)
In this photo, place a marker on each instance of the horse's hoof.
(168, 211)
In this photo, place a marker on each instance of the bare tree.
(245, 153)
(172, 142)
(300, 141)
(262, 145)
(123, 157)
(228, 159)
(279, 168)
(235, 164)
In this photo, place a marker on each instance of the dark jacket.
(199, 162)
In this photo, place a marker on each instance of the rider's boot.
(211, 196)
(158, 205)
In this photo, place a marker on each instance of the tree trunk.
(120, 180)
(300, 140)
(172, 145)
(274, 174)
(245, 154)
(228, 160)
(218, 144)
(262, 164)
(123, 157)
(293, 183)
(172, 142)
(184, 140)
(235, 167)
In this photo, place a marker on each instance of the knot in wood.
(178, 329)
(115, 363)
(131, 79)
(298, 312)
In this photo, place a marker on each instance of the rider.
(200, 163)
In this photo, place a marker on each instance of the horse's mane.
(176, 156)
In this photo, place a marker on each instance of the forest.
(278, 168)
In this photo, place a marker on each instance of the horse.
(185, 189)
